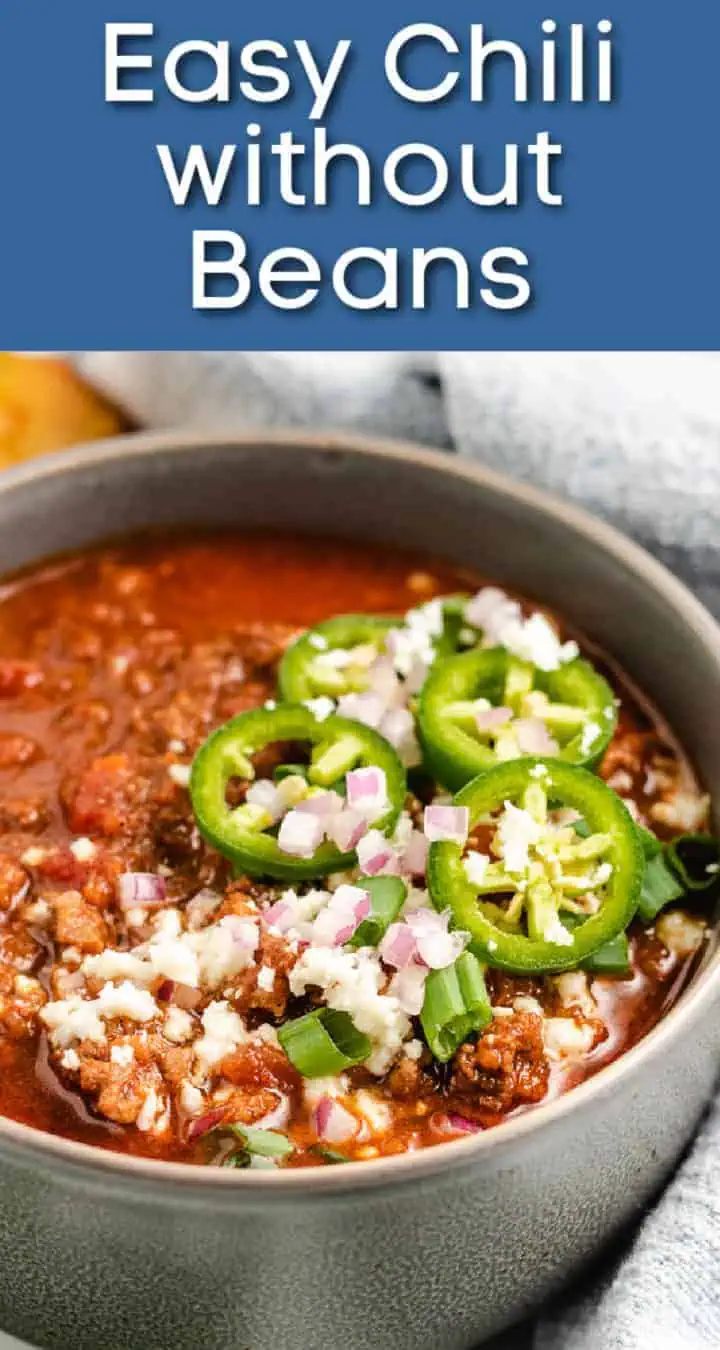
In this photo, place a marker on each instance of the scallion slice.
(613, 958)
(660, 886)
(265, 1143)
(695, 858)
(323, 1042)
(387, 897)
(456, 1004)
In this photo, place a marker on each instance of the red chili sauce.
(116, 664)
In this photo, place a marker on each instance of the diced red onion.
(408, 987)
(201, 906)
(414, 858)
(491, 609)
(333, 1123)
(374, 852)
(204, 1124)
(436, 946)
(533, 737)
(320, 804)
(141, 889)
(335, 924)
(367, 792)
(346, 829)
(366, 708)
(165, 991)
(463, 1125)
(281, 915)
(490, 719)
(299, 834)
(278, 1118)
(383, 681)
(453, 1124)
(265, 794)
(398, 946)
(446, 823)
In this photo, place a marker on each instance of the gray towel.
(636, 439)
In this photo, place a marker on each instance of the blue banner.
(476, 176)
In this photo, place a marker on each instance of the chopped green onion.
(329, 1155)
(695, 858)
(323, 1043)
(240, 1159)
(660, 886)
(265, 1143)
(613, 958)
(456, 1004)
(387, 897)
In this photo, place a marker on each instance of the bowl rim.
(21, 1142)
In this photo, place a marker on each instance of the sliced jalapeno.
(244, 833)
(512, 903)
(479, 709)
(334, 657)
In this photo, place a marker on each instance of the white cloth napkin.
(636, 439)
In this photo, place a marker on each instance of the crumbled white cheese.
(476, 865)
(555, 931)
(377, 1113)
(516, 832)
(173, 958)
(314, 1089)
(122, 1054)
(178, 1025)
(72, 1019)
(320, 707)
(33, 856)
(39, 912)
(224, 948)
(124, 1000)
(526, 1003)
(70, 1060)
(351, 982)
(191, 1098)
(533, 639)
(413, 1049)
(148, 1111)
(168, 922)
(116, 965)
(573, 986)
(180, 774)
(588, 736)
(224, 1031)
(136, 917)
(83, 849)
(266, 978)
(679, 932)
(565, 1038)
(681, 811)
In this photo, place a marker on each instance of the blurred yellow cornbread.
(45, 406)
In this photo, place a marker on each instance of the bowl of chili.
(232, 745)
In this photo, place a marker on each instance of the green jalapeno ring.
(338, 744)
(455, 756)
(295, 678)
(568, 786)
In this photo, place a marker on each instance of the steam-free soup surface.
(115, 665)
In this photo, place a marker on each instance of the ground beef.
(507, 1067)
(14, 882)
(21, 999)
(79, 924)
(121, 1089)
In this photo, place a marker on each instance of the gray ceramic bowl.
(427, 1252)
